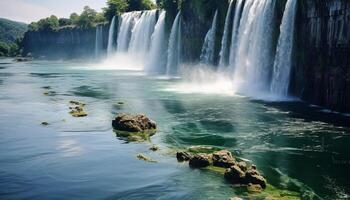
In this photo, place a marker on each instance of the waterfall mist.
(283, 60)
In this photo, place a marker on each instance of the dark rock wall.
(321, 73)
(66, 43)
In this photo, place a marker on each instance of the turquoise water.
(296, 146)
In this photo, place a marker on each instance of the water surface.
(295, 145)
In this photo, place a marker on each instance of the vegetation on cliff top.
(90, 17)
(11, 33)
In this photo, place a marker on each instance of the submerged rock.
(144, 158)
(133, 123)
(45, 123)
(78, 109)
(223, 158)
(201, 160)
(154, 148)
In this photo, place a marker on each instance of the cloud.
(19, 10)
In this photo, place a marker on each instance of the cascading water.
(141, 34)
(174, 54)
(253, 55)
(99, 41)
(235, 26)
(208, 49)
(111, 36)
(157, 60)
(126, 25)
(225, 38)
(283, 60)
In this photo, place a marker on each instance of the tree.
(50, 23)
(64, 22)
(88, 18)
(115, 7)
(74, 17)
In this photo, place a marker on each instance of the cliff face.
(66, 43)
(321, 74)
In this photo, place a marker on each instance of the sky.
(33, 10)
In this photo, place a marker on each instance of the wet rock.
(223, 158)
(235, 175)
(243, 166)
(154, 148)
(144, 158)
(201, 160)
(252, 176)
(133, 123)
(183, 156)
(22, 59)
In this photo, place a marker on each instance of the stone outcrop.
(235, 172)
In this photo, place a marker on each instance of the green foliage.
(88, 18)
(46, 24)
(64, 22)
(117, 7)
(10, 34)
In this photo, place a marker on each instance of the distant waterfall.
(174, 46)
(224, 50)
(141, 33)
(126, 25)
(283, 60)
(253, 53)
(156, 58)
(235, 26)
(99, 41)
(208, 49)
(110, 47)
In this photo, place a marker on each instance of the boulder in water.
(201, 160)
(183, 156)
(133, 123)
(223, 158)
(134, 128)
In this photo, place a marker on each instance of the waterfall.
(208, 49)
(174, 46)
(235, 26)
(99, 41)
(126, 24)
(283, 60)
(141, 34)
(224, 50)
(156, 56)
(253, 51)
(110, 47)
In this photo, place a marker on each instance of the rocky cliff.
(65, 43)
(321, 72)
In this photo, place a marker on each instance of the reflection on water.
(296, 146)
